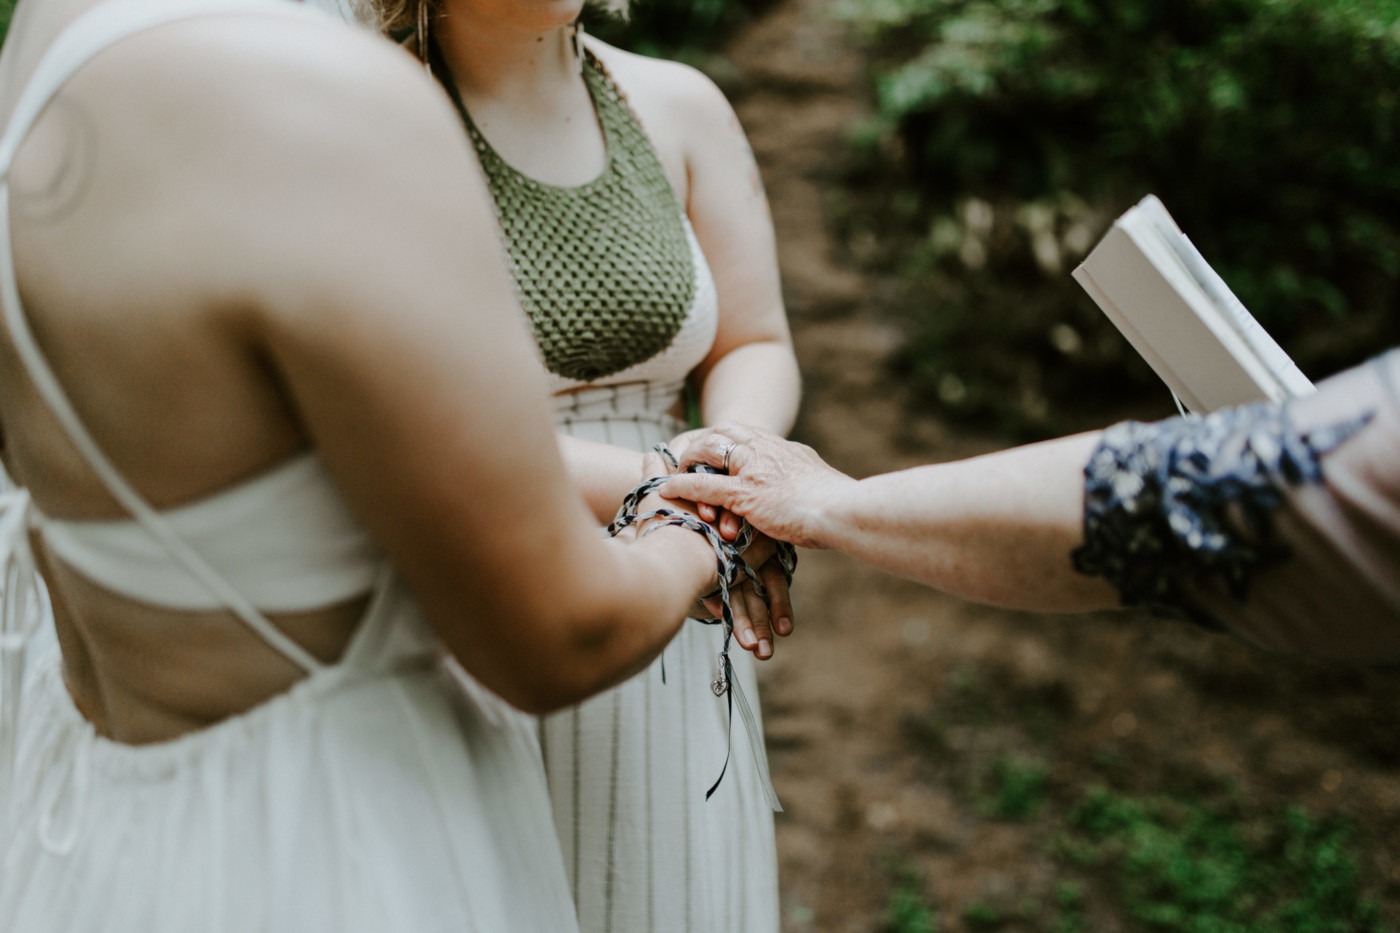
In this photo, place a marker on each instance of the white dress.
(380, 793)
(629, 769)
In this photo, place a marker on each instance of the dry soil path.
(871, 794)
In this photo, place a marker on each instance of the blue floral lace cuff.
(1171, 504)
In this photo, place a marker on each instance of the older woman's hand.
(756, 619)
(778, 485)
(727, 522)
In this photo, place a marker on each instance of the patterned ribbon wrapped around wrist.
(731, 571)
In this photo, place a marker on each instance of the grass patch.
(1179, 865)
(1069, 904)
(907, 910)
(1016, 788)
(979, 915)
(1163, 845)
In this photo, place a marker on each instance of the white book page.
(1142, 287)
(1180, 316)
(1280, 365)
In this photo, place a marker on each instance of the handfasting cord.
(730, 569)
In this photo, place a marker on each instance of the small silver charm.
(720, 685)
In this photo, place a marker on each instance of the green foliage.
(1017, 788)
(674, 28)
(1268, 127)
(1181, 866)
(1166, 845)
(907, 911)
(1176, 849)
(1068, 899)
(7, 12)
(979, 915)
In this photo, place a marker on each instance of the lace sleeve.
(1174, 502)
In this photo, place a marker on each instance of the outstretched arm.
(996, 529)
(1278, 523)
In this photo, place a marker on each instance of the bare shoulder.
(268, 78)
(676, 82)
(271, 136)
(665, 93)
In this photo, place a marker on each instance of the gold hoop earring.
(421, 36)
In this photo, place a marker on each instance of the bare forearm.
(584, 612)
(997, 528)
(653, 583)
(757, 383)
(602, 472)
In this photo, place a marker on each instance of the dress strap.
(92, 32)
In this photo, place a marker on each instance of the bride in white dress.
(259, 449)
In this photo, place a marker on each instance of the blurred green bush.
(1009, 133)
(681, 29)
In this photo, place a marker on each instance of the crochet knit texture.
(604, 270)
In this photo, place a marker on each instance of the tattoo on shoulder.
(51, 189)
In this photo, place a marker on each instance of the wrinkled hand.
(778, 485)
(727, 522)
(756, 619)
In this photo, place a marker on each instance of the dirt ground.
(873, 752)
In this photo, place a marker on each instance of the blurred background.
(936, 168)
(996, 139)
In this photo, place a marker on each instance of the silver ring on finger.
(724, 459)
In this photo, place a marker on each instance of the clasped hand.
(780, 487)
(759, 615)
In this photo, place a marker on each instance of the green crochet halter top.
(605, 269)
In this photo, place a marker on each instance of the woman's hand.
(727, 522)
(778, 485)
(756, 619)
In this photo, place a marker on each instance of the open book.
(1182, 317)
